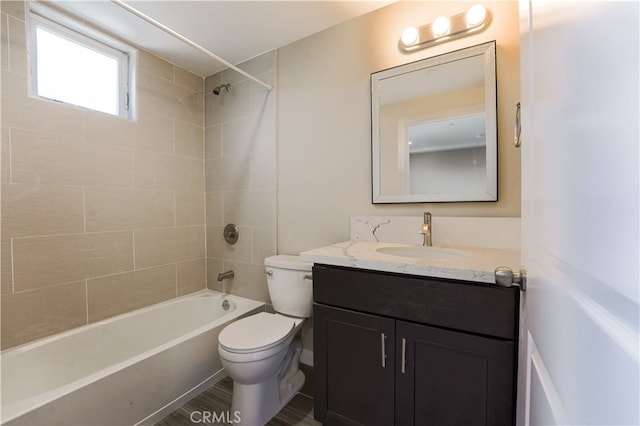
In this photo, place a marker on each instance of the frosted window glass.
(72, 73)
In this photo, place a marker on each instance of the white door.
(579, 354)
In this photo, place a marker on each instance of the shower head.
(218, 90)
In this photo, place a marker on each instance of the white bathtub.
(131, 369)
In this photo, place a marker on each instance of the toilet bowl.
(260, 353)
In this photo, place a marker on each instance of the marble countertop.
(478, 266)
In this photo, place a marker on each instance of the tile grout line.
(10, 157)
(133, 247)
(86, 298)
(84, 209)
(13, 269)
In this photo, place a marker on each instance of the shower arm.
(189, 42)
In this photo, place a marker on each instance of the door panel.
(580, 213)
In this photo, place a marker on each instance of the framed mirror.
(434, 129)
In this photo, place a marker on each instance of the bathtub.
(131, 369)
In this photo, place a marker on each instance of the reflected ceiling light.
(443, 29)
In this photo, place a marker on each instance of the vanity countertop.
(479, 265)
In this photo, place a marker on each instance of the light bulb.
(476, 15)
(440, 26)
(409, 36)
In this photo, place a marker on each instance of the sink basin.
(423, 252)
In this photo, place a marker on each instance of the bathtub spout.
(226, 275)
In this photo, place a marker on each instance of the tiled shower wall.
(101, 215)
(240, 151)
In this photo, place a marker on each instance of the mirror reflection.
(434, 135)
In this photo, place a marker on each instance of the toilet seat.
(256, 333)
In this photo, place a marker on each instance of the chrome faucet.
(426, 230)
(226, 275)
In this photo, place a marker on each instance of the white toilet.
(261, 352)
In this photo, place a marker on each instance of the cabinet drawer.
(460, 305)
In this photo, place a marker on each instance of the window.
(85, 68)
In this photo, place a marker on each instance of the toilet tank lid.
(286, 261)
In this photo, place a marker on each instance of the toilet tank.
(290, 285)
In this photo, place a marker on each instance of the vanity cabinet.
(407, 350)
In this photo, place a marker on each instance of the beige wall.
(100, 215)
(324, 159)
(241, 176)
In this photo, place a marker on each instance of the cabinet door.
(353, 367)
(453, 378)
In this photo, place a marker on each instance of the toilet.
(261, 352)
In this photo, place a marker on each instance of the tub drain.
(225, 305)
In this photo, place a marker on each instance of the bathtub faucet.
(226, 275)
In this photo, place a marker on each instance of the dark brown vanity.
(396, 349)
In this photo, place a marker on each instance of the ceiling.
(233, 30)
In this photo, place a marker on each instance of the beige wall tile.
(116, 294)
(263, 112)
(218, 248)
(155, 65)
(112, 209)
(30, 315)
(17, 46)
(14, 87)
(187, 79)
(42, 158)
(163, 97)
(13, 8)
(189, 140)
(6, 154)
(46, 261)
(161, 171)
(237, 137)
(4, 41)
(6, 272)
(213, 142)
(190, 208)
(44, 116)
(191, 276)
(228, 173)
(151, 132)
(57, 149)
(154, 133)
(163, 246)
(263, 170)
(231, 105)
(214, 208)
(250, 208)
(34, 209)
(264, 244)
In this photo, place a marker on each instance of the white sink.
(423, 252)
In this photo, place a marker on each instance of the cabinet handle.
(384, 352)
(404, 355)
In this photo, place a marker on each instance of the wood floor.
(217, 399)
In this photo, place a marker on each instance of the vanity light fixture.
(444, 29)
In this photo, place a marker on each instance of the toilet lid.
(256, 332)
